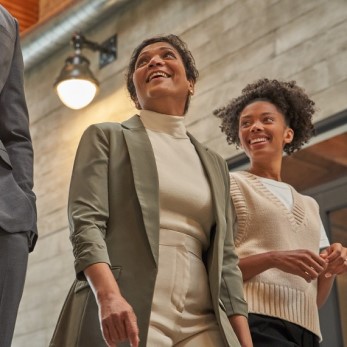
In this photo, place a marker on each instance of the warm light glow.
(76, 93)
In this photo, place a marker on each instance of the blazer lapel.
(212, 170)
(145, 178)
(217, 184)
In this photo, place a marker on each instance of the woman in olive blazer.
(114, 221)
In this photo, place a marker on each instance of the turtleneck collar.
(164, 123)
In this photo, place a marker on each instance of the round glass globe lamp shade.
(76, 93)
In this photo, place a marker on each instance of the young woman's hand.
(300, 262)
(336, 257)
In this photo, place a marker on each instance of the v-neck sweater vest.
(264, 224)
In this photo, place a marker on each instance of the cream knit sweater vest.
(265, 224)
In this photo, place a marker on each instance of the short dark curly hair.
(188, 61)
(290, 99)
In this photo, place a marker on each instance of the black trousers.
(268, 331)
(14, 253)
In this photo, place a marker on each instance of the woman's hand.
(301, 262)
(336, 257)
(118, 321)
(241, 328)
(117, 318)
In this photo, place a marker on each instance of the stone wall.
(234, 42)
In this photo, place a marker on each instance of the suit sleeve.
(232, 283)
(14, 125)
(88, 208)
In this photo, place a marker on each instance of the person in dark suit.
(149, 213)
(17, 201)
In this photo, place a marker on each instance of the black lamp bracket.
(108, 49)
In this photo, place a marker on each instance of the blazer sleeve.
(232, 283)
(14, 119)
(88, 207)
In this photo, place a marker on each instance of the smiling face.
(263, 131)
(160, 79)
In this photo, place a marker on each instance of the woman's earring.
(191, 91)
(137, 105)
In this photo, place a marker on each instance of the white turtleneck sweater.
(184, 191)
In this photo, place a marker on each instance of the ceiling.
(31, 12)
(316, 164)
(26, 11)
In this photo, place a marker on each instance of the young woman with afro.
(287, 263)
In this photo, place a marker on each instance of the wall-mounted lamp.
(76, 85)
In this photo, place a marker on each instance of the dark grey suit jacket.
(17, 200)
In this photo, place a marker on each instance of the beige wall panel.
(331, 100)
(234, 42)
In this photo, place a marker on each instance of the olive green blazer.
(114, 218)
